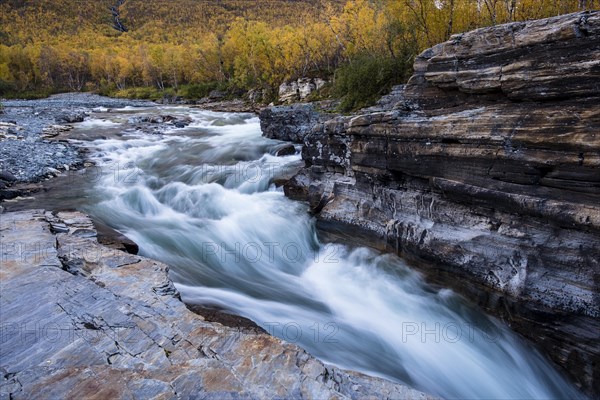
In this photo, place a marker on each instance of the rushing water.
(202, 200)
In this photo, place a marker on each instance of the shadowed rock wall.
(486, 168)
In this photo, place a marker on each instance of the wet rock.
(19, 190)
(284, 150)
(70, 117)
(290, 123)
(9, 130)
(7, 176)
(236, 105)
(450, 171)
(55, 130)
(146, 122)
(82, 319)
(32, 161)
(23, 150)
(224, 318)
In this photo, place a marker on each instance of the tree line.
(201, 46)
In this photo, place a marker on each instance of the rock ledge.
(81, 320)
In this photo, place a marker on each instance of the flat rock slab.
(81, 320)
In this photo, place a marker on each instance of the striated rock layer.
(81, 320)
(486, 168)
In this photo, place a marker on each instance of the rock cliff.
(81, 320)
(485, 169)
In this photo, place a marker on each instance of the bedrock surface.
(81, 320)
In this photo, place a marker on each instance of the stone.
(320, 83)
(52, 171)
(9, 128)
(284, 150)
(288, 92)
(300, 89)
(55, 130)
(290, 123)
(83, 320)
(235, 105)
(485, 170)
(7, 176)
(305, 88)
(256, 95)
(217, 95)
(70, 117)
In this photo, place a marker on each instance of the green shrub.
(366, 78)
(197, 90)
(6, 87)
(141, 93)
(9, 91)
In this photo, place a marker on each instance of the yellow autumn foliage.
(53, 45)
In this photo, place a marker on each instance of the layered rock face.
(486, 168)
(81, 320)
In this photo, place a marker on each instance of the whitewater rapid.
(202, 199)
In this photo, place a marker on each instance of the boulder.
(7, 176)
(305, 87)
(55, 130)
(290, 123)
(256, 95)
(288, 92)
(319, 83)
(70, 117)
(300, 89)
(285, 149)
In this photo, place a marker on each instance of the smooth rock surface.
(485, 166)
(80, 320)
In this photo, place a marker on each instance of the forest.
(144, 48)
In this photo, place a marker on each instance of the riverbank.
(35, 144)
(80, 319)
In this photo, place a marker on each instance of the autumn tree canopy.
(53, 45)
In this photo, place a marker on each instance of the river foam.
(202, 199)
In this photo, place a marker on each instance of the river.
(203, 200)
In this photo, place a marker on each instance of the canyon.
(482, 173)
(484, 170)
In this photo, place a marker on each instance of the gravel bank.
(26, 154)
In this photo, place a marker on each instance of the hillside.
(151, 48)
(23, 21)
